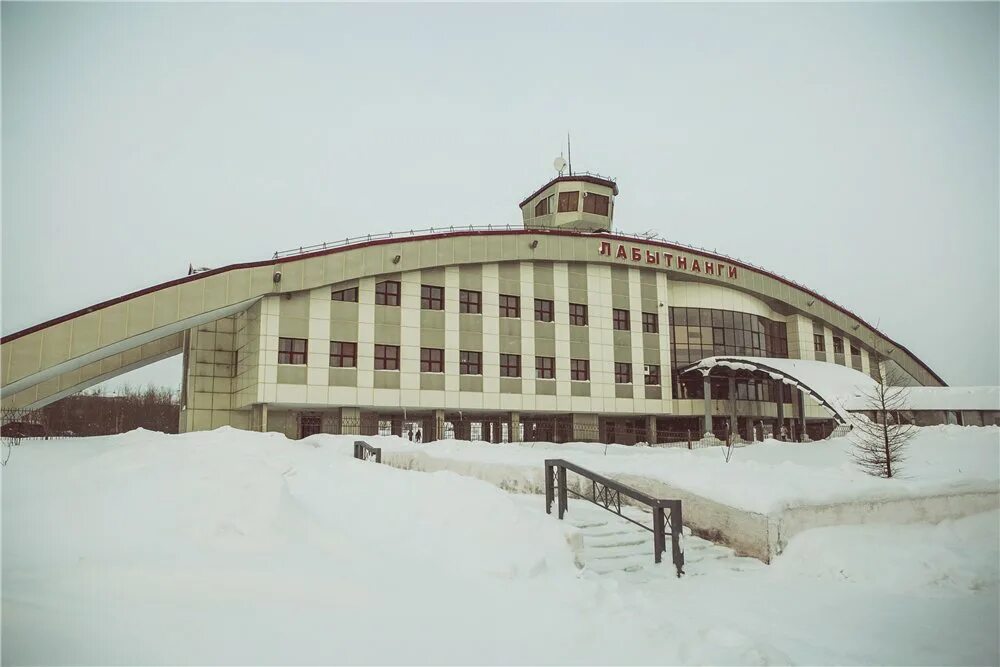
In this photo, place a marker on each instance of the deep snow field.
(231, 547)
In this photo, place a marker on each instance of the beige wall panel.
(579, 334)
(470, 340)
(113, 321)
(468, 322)
(510, 385)
(388, 315)
(216, 291)
(546, 347)
(578, 349)
(433, 338)
(471, 383)
(191, 299)
(387, 379)
(579, 389)
(291, 374)
(140, 315)
(433, 381)
(470, 277)
(545, 387)
(623, 391)
(433, 276)
(432, 319)
(55, 345)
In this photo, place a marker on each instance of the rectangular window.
(346, 294)
(510, 305)
(510, 365)
(470, 301)
(619, 318)
(578, 314)
(579, 369)
(431, 360)
(838, 345)
(343, 355)
(652, 374)
(470, 362)
(597, 204)
(542, 207)
(855, 350)
(545, 368)
(292, 350)
(431, 297)
(387, 293)
(544, 310)
(623, 372)
(650, 322)
(569, 201)
(819, 342)
(387, 357)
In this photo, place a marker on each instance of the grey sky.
(850, 147)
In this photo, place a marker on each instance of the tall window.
(569, 201)
(819, 342)
(544, 206)
(579, 369)
(623, 372)
(650, 323)
(652, 374)
(387, 293)
(387, 357)
(619, 319)
(510, 365)
(838, 345)
(292, 350)
(343, 354)
(470, 301)
(855, 350)
(510, 305)
(597, 204)
(470, 362)
(346, 294)
(578, 314)
(544, 310)
(545, 368)
(431, 360)
(431, 297)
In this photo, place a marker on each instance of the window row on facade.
(819, 345)
(344, 354)
(387, 293)
(569, 202)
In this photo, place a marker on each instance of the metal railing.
(607, 493)
(365, 452)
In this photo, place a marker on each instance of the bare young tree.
(880, 443)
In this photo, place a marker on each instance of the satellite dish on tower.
(559, 163)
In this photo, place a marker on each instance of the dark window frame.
(470, 301)
(838, 345)
(510, 305)
(349, 294)
(470, 362)
(510, 365)
(388, 293)
(386, 358)
(431, 360)
(650, 323)
(431, 297)
(569, 202)
(545, 308)
(545, 368)
(621, 319)
(578, 314)
(652, 377)
(819, 342)
(579, 370)
(291, 354)
(347, 350)
(623, 372)
(596, 204)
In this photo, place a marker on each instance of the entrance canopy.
(833, 386)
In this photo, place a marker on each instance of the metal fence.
(365, 452)
(667, 518)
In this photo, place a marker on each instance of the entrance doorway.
(309, 426)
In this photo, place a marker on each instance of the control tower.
(582, 202)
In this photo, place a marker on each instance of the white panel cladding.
(491, 334)
(663, 287)
(527, 273)
(451, 334)
(560, 291)
(409, 332)
(638, 401)
(602, 350)
(318, 357)
(366, 335)
(269, 319)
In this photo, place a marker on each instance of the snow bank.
(764, 478)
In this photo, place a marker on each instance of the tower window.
(569, 201)
(596, 204)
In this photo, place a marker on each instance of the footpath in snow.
(231, 547)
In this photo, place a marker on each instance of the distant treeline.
(97, 413)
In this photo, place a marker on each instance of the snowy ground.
(763, 477)
(241, 548)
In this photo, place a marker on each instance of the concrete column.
(263, 417)
(708, 405)
(515, 427)
(651, 429)
(437, 426)
(733, 421)
(779, 387)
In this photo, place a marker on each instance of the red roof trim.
(426, 237)
(562, 179)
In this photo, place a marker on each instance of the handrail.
(365, 452)
(606, 492)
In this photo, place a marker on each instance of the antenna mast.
(569, 154)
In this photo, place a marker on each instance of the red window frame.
(470, 301)
(569, 201)
(510, 305)
(510, 365)
(650, 323)
(545, 310)
(596, 204)
(470, 362)
(545, 368)
(620, 319)
(579, 369)
(346, 294)
(653, 376)
(578, 314)
(431, 360)
(623, 372)
(431, 297)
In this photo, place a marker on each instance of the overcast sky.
(850, 147)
